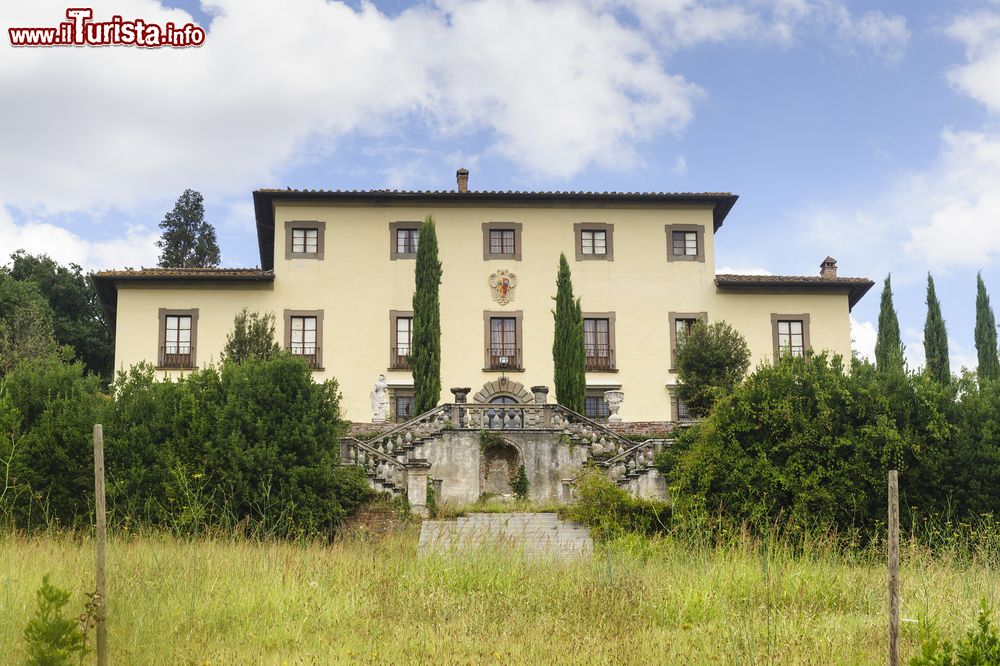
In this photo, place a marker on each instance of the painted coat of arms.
(502, 284)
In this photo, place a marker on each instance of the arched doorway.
(498, 465)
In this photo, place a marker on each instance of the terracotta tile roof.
(856, 287)
(188, 274)
(106, 282)
(721, 203)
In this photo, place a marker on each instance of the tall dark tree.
(188, 241)
(425, 357)
(937, 365)
(77, 317)
(986, 333)
(567, 346)
(252, 338)
(888, 346)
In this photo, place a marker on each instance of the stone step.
(535, 534)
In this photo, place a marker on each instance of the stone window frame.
(393, 331)
(518, 317)
(162, 315)
(595, 393)
(672, 318)
(675, 409)
(400, 392)
(287, 318)
(803, 317)
(393, 246)
(699, 231)
(610, 316)
(502, 226)
(320, 228)
(608, 229)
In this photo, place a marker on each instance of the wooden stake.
(893, 568)
(102, 547)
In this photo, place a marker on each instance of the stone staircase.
(387, 456)
(534, 534)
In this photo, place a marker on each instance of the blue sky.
(863, 130)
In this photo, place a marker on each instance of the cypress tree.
(567, 346)
(888, 346)
(188, 241)
(986, 333)
(426, 342)
(935, 338)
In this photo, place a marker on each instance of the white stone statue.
(380, 400)
(614, 400)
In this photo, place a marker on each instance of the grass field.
(218, 601)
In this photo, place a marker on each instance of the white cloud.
(557, 85)
(863, 336)
(135, 248)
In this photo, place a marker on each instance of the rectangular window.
(502, 241)
(178, 331)
(305, 241)
(685, 243)
(594, 242)
(407, 241)
(304, 335)
(682, 410)
(791, 338)
(597, 344)
(177, 342)
(503, 350)
(680, 325)
(403, 405)
(404, 336)
(595, 407)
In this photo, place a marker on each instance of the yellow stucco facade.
(357, 283)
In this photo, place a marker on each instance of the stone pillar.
(416, 486)
(541, 394)
(461, 394)
(614, 400)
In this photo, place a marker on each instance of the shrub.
(50, 407)
(805, 440)
(979, 647)
(611, 511)
(519, 484)
(711, 360)
(52, 638)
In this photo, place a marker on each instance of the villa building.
(337, 270)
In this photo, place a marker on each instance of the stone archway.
(498, 463)
(504, 386)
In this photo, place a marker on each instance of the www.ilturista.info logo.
(80, 30)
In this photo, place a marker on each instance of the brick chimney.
(463, 180)
(828, 269)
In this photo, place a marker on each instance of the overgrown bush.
(711, 360)
(611, 511)
(254, 442)
(805, 441)
(979, 647)
(519, 484)
(51, 638)
(48, 408)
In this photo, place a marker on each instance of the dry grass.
(221, 601)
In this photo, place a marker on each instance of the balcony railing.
(309, 353)
(399, 358)
(504, 358)
(177, 356)
(599, 357)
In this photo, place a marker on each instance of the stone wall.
(461, 461)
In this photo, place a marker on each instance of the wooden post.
(102, 547)
(893, 568)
